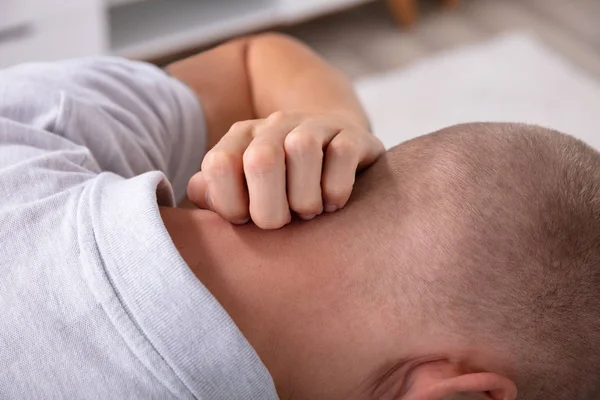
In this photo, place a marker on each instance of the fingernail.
(308, 217)
(208, 201)
(330, 208)
(242, 221)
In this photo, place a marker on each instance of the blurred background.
(418, 65)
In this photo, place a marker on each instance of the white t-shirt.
(95, 300)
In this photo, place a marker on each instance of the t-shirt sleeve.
(131, 117)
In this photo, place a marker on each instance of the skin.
(302, 298)
(301, 295)
(286, 132)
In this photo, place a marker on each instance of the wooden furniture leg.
(449, 3)
(404, 12)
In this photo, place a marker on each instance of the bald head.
(491, 232)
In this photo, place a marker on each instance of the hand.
(263, 169)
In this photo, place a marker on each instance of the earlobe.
(444, 379)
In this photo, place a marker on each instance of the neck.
(229, 267)
(296, 306)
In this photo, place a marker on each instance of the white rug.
(511, 78)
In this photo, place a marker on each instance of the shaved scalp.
(494, 231)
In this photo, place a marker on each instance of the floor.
(364, 40)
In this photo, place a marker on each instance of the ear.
(439, 379)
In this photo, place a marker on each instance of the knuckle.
(262, 158)
(337, 194)
(301, 141)
(377, 142)
(219, 160)
(239, 126)
(343, 146)
(277, 117)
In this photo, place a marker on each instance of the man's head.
(490, 235)
(467, 260)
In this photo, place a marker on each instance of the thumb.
(197, 191)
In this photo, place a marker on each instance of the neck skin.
(297, 306)
(304, 300)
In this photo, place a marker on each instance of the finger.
(371, 151)
(197, 191)
(304, 162)
(341, 162)
(264, 167)
(224, 172)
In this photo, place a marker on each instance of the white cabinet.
(53, 29)
(112, 3)
(14, 14)
(151, 28)
(296, 10)
(44, 30)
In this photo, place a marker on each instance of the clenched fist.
(266, 168)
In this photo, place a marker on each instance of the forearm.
(285, 75)
(252, 77)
